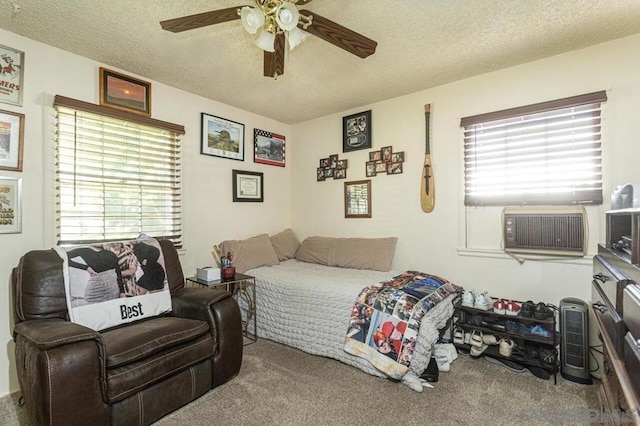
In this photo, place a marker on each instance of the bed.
(308, 305)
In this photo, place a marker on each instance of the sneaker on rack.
(490, 339)
(540, 331)
(499, 307)
(542, 312)
(527, 309)
(506, 346)
(478, 350)
(483, 301)
(476, 338)
(512, 309)
(458, 336)
(468, 299)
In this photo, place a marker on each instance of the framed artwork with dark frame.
(11, 140)
(125, 93)
(221, 137)
(356, 131)
(357, 199)
(268, 148)
(248, 186)
(10, 205)
(370, 168)
(11, 75)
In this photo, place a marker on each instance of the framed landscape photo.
(356, 131)
(11, 75)
(357, 199)
(268, 148)
(10, 205)
(11, 140)
(125, 93)
(222, 138)
(248, 186)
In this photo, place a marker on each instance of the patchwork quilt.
(386, 319)
(115, 283)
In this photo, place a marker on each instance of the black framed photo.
(125, 93)
(268, 148)
(221, 137)
(248, 186)
(356, 131)
(370, 168)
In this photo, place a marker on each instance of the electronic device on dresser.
(616, 308)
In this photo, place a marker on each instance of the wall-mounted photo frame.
(125, 93)
(248, 186)
(357, 199)
(356, 131)
(11, 75)
(324, 162)
(386, 153)
(394, 168)
(221, 137)
(10, 205)
(320, 174)
(370, 168)
(268, 148)
(375, 155)
(11, 140)
(340, 174)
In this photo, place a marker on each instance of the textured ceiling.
(421, 44)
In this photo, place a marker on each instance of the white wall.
(459, 244)
(210, 216)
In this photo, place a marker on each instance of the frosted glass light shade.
(295, 37)
(266, 41)
(252, 19)
(287, 16)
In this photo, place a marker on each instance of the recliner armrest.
(50, 333)
(196, 303)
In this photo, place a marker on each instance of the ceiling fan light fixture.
(266, 41)
(295, 37)
(252, 19)
(287, 16)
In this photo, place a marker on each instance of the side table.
(243, 288)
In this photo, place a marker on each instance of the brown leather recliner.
(129, 375)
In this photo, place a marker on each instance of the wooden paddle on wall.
(427, 188)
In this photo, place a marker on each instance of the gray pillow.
(357, 253)
(285, 244)
(250, 253)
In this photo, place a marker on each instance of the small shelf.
(494, 352)
(551, 321)
(536, 339)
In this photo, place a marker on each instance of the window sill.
(500, 254)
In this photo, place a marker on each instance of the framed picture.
(11, 75)
(333, 161)
(342, 164)
(222, 138)
(268, 148)
(386, 153)
(357, 199)
(328, 172)
(394, 168)
(125, 93)
(10, 205)
(324, 162)
(375, 156)
(340, 174)
(381, 168)
(248, 186)
(356, 131)
(397, 156)
(11, 140)
(370, 168)
(320, 174)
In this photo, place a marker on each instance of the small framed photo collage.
(384, 161)
(332, 167)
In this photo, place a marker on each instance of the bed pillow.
(285, 244)
(250, 253)
(363, 253)
(315, 250)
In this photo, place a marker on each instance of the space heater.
(574, 342)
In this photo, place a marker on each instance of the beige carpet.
(279, 385)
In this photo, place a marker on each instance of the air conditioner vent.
(545, 230)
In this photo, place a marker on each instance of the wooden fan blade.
(339, 36)
(274, 61)
(191, 22)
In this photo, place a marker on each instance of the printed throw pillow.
(115, 283)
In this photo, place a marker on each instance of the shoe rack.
(495, 324)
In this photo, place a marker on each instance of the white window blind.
(547, 153)
(117, 175)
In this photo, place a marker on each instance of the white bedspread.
(308, 306)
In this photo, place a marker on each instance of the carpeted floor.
(279, 385)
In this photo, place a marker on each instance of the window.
(117, 175)
(547, 153)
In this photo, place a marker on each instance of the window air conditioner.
(559, 231)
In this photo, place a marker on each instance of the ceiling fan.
(277, 22)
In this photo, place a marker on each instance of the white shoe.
(477, 351)
(458, 336)
(442, 360)
(447, 348)
(467, 338)
(468, 299)
(506, 347)
(483, 302)
(490, 339)
(476, 338)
